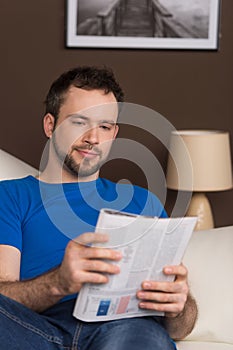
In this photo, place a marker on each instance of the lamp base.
(200, 207)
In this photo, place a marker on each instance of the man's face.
(85, 129)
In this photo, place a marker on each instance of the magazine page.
(147, 244)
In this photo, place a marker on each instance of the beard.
(86, 167)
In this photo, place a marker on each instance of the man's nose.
(91, 136)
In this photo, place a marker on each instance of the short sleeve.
(10, 222)
(156, 207)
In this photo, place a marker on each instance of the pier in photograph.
(131, 18)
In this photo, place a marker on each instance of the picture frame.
(122, 24)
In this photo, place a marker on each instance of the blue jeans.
(56, 329)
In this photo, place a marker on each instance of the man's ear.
(49, 123)
(116, 131)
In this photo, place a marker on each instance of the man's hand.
(85, 264)
(169, 297)
(81, 263)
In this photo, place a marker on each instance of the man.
(42, 269)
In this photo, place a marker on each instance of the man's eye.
(78, 123)
(105, 127)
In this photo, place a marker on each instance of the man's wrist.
(55, 287)
(181, 325)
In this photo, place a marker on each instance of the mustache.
(87, 148)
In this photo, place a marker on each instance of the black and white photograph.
(143, 24)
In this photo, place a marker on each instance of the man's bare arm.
(37, 294)
(180, 326)
(172, 298)
(81, 264)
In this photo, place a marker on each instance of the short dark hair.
(83, 77)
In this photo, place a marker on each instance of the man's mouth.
(87, 153)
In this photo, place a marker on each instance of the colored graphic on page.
(103, 307)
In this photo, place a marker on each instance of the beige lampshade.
(199, 160)
(12, 167)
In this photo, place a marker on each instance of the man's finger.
(91, 237)
(177, 270)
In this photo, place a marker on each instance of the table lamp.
(12, 167)
(210, 157)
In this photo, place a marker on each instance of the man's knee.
(137, 333)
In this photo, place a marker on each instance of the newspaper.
(147, 244)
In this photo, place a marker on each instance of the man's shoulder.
(11, 183)
(134, 198)
(17, 186)
(126, 186)
(122, 183)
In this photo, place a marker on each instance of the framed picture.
(143, 24)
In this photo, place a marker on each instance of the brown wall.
(192, 89)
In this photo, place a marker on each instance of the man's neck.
(60, 175)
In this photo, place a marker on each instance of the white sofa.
(209, 258)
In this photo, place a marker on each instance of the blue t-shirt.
(40, 218)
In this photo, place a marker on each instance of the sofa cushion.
(196, 345)
(12, 167)
(209, 258)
